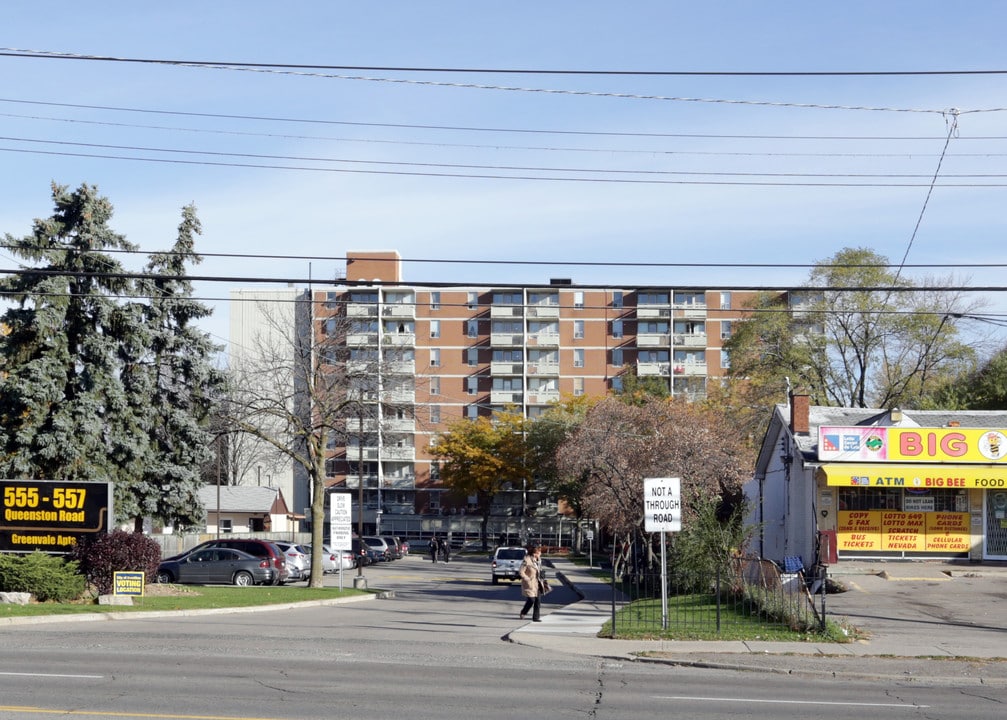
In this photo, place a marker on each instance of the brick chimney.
(800, 410)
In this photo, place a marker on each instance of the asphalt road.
(434, 650)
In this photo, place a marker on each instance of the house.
(841, 483)
(244, 509)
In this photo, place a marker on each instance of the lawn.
(187, 597)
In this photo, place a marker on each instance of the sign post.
(340, 527)
(662, 512)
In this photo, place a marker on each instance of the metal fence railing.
(750, 594)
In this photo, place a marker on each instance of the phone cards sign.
(662, 504)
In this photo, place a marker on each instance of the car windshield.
(510, 554)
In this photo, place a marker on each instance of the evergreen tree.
(175, 388)
(60, 352)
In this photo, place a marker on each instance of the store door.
(995, 544)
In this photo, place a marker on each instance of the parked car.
(258, 548)
(217, 565)
(331, 559)
(506, 563)
(405, 547)
(381, 551)
(394, 546)
(363, 554)
(298, 559)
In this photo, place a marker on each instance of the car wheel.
(164, 577)
(243, 578)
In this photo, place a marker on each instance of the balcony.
(395, 452)
(543, 340)
(398, 425)
(506, 397)
(399, 310)
(690, 310)
(363, 338)
(399, 339)
(401, 367)
(689, 368)
(645, 312)
(353, 453)
(543, 397)
(690, 339)
(506, 339)
(653, 369)
(353, 481)
(400, 397)
(543, 311)
(358, 310)
(653, 339)
(506, 311)
(506, 368)
(543, 369)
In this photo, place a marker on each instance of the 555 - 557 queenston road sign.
(51, 516)
(662, 504)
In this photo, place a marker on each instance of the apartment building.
(462, 352)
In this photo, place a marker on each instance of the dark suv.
(258, 548)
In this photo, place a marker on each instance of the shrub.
(100, 556)
(47, 577)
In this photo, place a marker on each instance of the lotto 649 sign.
(51, 516)
(662, 504)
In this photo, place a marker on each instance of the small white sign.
(340, 521)
(662, 504)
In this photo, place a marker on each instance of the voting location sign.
(662, 504)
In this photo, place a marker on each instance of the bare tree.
(617, 445)
(304, 389)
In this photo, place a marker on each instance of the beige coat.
(530, 571)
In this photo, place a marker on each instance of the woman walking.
(531, 574)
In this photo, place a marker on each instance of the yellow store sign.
(888, 530)
(914, 476)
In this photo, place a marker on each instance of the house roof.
(819, 415)
(240, 498)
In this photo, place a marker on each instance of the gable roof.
(240, 498)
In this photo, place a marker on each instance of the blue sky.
(779, 169)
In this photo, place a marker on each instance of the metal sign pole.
(664, 586)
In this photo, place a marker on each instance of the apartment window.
(617, 328)
(725, 301)
(578, 329)
(472, 385)
(435, 300)
(226, 525)
(617, 384)
(472, 356)
(725, 329)
(507, 326)
(578, 299)
(578, 386)
(472, 412)
(329, 326)
(435, 470)
(578, 358)
(435, 357)
(472, 328)
(725, 359)
(507, 384)
(435, 328)
(473, 301)
(617, 298)
(653, 298)
(617, 356)
(507, 298)
(435, 413)
(435, 385)
(509, 355)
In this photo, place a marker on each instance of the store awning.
(914, 477)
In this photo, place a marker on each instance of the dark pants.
(535, 605)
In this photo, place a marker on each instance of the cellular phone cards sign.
(51, 516)
(662, 504)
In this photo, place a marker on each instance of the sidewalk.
(969, 650)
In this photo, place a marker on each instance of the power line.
(57, 55)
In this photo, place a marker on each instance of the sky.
(754, 157)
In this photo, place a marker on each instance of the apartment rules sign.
(662, 504)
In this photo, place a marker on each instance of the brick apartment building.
(463, 352)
